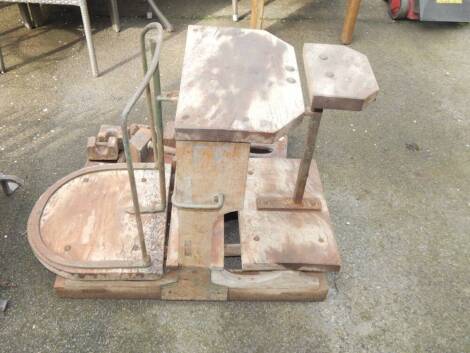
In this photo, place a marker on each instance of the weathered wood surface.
(76, 289)
(272, 240)
(237, 85)
(338, 77)
(82, 220)
(273, 285)
(205, 169)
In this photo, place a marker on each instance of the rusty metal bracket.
(218, 202)
(287, 203)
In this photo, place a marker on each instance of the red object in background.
(401, 9)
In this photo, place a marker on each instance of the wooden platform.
(81, 227)
(287, 239)
(237, 85)
(338, 77)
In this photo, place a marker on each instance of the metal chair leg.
(235, 10)
(89, 41)
(168, 26)
(25, 17)
(114, 11)
(2, 63)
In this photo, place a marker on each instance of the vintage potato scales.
(143, 230)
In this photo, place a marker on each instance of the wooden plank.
(338, 77)
(273, 240)
(217, 254)
(237, 85)
(82, 221)
(205, 169)
(66, 288)
(273, 285)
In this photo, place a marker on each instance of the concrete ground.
(396, 178)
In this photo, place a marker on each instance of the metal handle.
(157, 129)
(217, 205)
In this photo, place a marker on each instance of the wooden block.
(106, 131)
(338, 77)
(107, 150)
(237, 85)
(139, 144)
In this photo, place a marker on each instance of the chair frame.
(114, 12)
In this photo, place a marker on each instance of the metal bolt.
(256, 238)
(290, 68)
(330, 74)
(67, 247)
(323, 56)
(291, 80)
(143, 180)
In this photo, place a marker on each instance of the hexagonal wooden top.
(237, 85)
(338, 77)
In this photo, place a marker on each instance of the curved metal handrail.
(156, 127)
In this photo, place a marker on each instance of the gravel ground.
(396, 178)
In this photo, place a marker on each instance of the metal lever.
(217, 205)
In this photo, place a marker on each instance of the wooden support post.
(350, 21)
(257, 12)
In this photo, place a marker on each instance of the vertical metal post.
(2, 64)
(302, 176)
(135, 197)
(88, 37)
(158, 126)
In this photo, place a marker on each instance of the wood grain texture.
(338, 77)
(82, 220)
(273, 240)
(237, 85)
(205, 169)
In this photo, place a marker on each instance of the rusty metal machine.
(122, 229)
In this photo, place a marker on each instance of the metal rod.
(158, 123)
(124, 117)
(161, 16)
(302, 176)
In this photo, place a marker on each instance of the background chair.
(28, 12)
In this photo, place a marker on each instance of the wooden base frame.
(210, 286)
